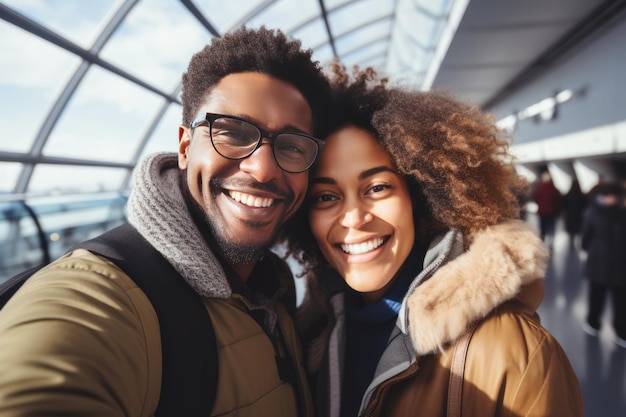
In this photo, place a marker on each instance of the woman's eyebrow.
(374, 171)
(323, 180)
(362, 175)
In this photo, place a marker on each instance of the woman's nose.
(356, 217)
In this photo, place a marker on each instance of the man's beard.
(232, 251)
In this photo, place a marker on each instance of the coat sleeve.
(516, 368)
(549, 386)
(79, 338)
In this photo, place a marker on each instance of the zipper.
(377, 401)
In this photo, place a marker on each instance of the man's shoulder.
(77, 275)
(82, 265)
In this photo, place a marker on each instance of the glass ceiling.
(89, 87)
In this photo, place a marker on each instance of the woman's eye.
(378, 188)
(325, 197)
(321, 200)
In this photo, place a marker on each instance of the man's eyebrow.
(283, 129)
(362, 175)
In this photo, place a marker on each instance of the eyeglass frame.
(209, 118)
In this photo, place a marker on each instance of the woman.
(414, 204)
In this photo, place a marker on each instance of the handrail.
(58, 218)
(98, 195)
(41, 235)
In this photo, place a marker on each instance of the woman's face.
(360, 211)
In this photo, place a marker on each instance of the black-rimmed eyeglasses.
(236, 138)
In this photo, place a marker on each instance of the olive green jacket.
(80, 338)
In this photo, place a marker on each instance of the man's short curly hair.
(261, 50)
(454, 157)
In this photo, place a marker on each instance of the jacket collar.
(458, 287)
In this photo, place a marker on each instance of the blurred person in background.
(604, 240)
(549, 202)
(574, 204)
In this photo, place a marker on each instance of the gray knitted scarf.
(158, 211)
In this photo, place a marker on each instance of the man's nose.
(262, 164)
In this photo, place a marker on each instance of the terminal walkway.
(598, 362)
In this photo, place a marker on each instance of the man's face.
(245, 201)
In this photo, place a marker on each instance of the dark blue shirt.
(368, 328)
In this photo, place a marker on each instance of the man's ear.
(184, 140)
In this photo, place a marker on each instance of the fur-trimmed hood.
(457, 286)
(500, 260)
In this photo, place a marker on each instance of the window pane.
(75, 179)
(376, 50)
(315, 36)
(224, 15)
(26, 92)
(343, 19)
(286, 14)
(155, 42)
(79, 21)
(9, 172)
(363, 43)
(165, 137)
(333, 4)
(417, 32)
(105, 119)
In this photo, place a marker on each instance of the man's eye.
(233, 136)
(227, 133)
(289, 148)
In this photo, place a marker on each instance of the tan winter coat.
(514, 367)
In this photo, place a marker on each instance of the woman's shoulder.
(513, 334)
(511, 356)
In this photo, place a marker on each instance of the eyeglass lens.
(236, 139)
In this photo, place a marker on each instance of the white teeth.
(359, 248)
(250, 200)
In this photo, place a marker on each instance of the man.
(80, 338)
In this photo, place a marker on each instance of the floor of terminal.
(598, 362)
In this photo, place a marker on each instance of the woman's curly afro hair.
(453, 156)
(261, 50)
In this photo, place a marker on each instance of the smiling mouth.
(250, 200)
(363, 247)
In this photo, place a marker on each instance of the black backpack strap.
(10, 286)
(189, 380)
